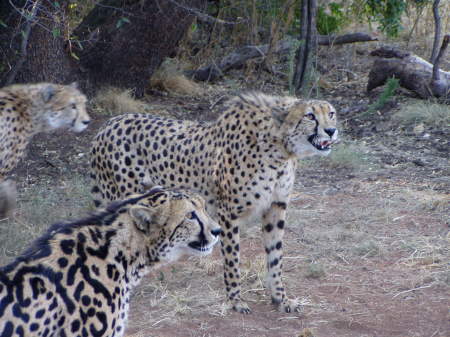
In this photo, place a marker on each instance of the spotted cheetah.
(27, 109)
(76, 279)
(243, 164)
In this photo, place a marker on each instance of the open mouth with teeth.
(321, 146)
(201, 247)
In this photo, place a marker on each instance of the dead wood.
(413, 72)
(239, 57)
(327, 40)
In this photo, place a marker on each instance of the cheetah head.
(65, 107)
(308, 127)
(174, 223)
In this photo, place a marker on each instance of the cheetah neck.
(252, 132)
(104, 250)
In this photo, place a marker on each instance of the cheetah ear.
(47, 93)
(143, 217)
(279, 115)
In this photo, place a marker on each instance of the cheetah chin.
(321, 144)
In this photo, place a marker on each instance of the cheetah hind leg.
(8, 196)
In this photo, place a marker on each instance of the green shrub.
(330, 23)
(392, 84)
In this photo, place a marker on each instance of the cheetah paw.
(289, 305)
(241, 307)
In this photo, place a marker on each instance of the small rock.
(426, 136)
(418, 129)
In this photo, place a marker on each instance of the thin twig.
(205, 17)
(409, 290)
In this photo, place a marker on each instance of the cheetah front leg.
(273, 229)
(231, 254)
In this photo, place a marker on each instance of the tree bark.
(32, 43)
(333, 40)
(120, 42)
(308, 47)
(437, 31)
(124, 47)
(413, 72)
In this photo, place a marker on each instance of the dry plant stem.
(437, 30)
(275, 33)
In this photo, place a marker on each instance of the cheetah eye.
(331, 114)
(73, 106)
(310, 116)
(191, 216)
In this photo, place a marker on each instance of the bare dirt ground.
(367, 245)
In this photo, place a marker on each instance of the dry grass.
(349, 156)
(115, 101)
(428, 113)
(40, 206)
(315, 271)
(170, 78)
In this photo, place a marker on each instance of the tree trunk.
(437, 31)
(120, 42)
(124, 47)
(307, 49)
(32, 43)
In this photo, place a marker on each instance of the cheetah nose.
(216, 232)
(86, 122)
(330, 131)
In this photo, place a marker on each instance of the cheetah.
(76, 279)
(243, 164)
(25, 110)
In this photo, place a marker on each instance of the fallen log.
(240, 56)
(414, 73)
(332, 40)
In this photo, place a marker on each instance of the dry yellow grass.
(169, 78)
(115, 101)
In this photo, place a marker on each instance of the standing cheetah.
(76, 280)
(27, 109)
(243, 164)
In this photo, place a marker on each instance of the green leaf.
(56, 32)
(121, 22)
(74, 56)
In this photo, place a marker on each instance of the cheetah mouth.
(324, 145)
(201, 247)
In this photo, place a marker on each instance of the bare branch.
(205, 17)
